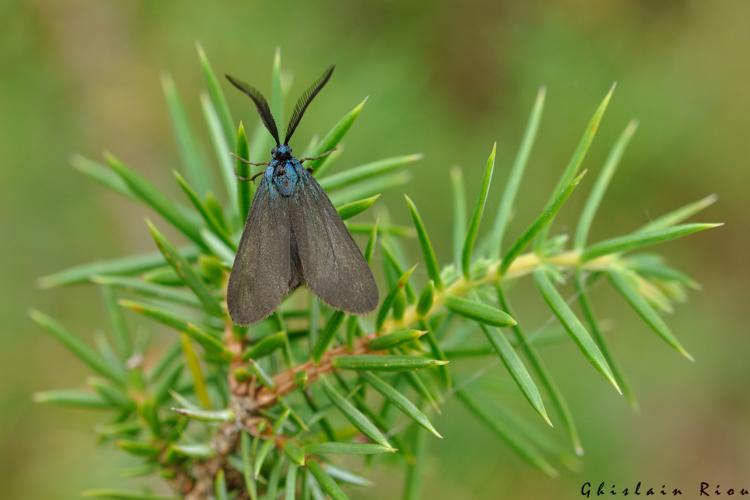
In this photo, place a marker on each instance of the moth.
(293, 235)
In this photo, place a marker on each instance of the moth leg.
(242, 178)
(259, 164)
(322, 155)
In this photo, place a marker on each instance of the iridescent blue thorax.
(284, 171)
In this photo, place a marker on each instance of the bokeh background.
(446, 79)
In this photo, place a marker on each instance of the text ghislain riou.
(702, 489)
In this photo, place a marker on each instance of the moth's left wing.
(264, 271)
(331, 263)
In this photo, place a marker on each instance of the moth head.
(281, 152)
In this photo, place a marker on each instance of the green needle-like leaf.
(400, 401)
(389, 229)
(336, 448)
(394, 339)
(207, 216)
(290, 483)
(146, 289)
(623, 284)
(601, 184)
(224, 253)
(573, 326)
(476, 216)
(679, 215)
(426, 299)
(349, 210)
(459, 214)
(164, 384)
(639, 239)
(114, 395)
(431, 263)
(558, 400)
(101, 174)
(389, 299)
(138, 448)
(183, 269)
(72, 398)
(176, 214)
(273, 478)
(222, 148)
(205, 339)
(326, 335)
(325, 481)
(571, 170)
(367, 171)
(525, 449)
(260, 457)
(247, 465)
(117, 320)
(218, 100)
(294, 453)
(395, 263)
(517, 370)
(353, 415)
(200, 451)
(265, 346)
(596, 332)
(124, 266)
(206, 415)
(369, 188)
(334, 137)
(542, 221)
(387, 363)
(190, 154)
(516, 174)
(277, 91)
(478, 311)
(245, 186)
(220, 486)
(415, 467)
(78, 348)
(346, 476)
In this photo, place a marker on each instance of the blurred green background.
(446, 79)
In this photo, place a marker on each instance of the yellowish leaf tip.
(35, 315)
(547, 419)
(614, 383)
(358, 108)
(110, 158)
(687, 354)
(632, 126)
(277, 57)
(579, 177)
(167, 83)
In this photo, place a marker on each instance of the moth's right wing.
(263, 271)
